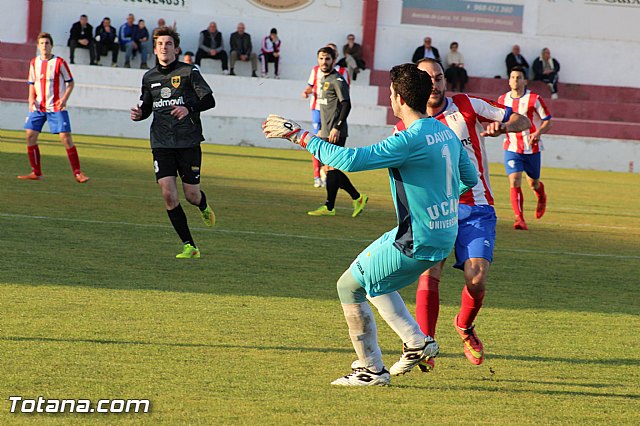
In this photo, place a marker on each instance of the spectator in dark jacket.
(515, 59)
(107, 41)
(426, 51)
(81, 35)
(546, 68)
(241, 48)
(211, 45)
(141, 39)
(126, 33)
(352, 60)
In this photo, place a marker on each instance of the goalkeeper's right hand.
(279, 127)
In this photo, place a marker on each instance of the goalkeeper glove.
(279, 127)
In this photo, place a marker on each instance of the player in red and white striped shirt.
(522, 149)
(50, 85)
(474, 245)
(312, 92)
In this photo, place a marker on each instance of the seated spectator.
(126, 33)
(211, 46)
(241, 48)
(454, 68)
(515, 59)
(141, 43)
(106, 41)
(426, 51)
(545, 68)
(352, 60)
(270, 52)
(81, 35)
(188, 58)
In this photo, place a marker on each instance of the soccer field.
(94, 305)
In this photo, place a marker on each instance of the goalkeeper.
(428, 169)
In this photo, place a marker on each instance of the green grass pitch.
(93, 304)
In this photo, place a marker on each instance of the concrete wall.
(561, 151)
(595, 41)
(13, 21)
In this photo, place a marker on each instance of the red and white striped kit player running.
(476, 216)
(312, 91)
(522, 149)
(50, 85)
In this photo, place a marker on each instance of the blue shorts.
(381, 268)
(529, 163)
(58, 121)
(476, 233)
(315, 120)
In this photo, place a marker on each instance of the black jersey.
(178, 84)
(333, 90)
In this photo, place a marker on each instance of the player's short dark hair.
(45, 35)
(413, 84)
(519, 69)
(188, 53)
(166, 31)
(328, 51)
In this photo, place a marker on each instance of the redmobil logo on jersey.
(440, 136)
(168, 102)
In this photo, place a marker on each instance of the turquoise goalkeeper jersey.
(428, 169)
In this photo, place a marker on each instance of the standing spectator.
(176, 93)
(425, 51)
(515, 59)
(522, 150)
(546, 68)
(126, 33)
(241, 48)
(335, 105)
(455, 72)
(270, 52)
(50, 85)
(107, 41)
(141, 39)
(211, 45)
(352, 60)
(81, 35)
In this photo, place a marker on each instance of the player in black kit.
(176, 93)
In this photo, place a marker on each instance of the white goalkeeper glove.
(279, 127)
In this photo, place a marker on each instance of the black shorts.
(183, 162)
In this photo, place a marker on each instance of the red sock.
(540, 190)
(517, 201)
(427, 304)
(469, 308)
(34, 159)
(72, 153)
(316, 167)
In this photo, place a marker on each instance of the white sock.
(364, 335)
(393, 310)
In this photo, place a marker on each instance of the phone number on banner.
(163, 4)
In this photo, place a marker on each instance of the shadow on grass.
(272, 249)
(546, 392)
(288, 348)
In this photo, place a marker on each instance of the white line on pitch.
(277, 234)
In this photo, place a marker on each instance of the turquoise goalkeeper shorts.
(381, 268)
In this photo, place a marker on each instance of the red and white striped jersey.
(49, 78)
(315, 77)
(526, 105)
(464, 114)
